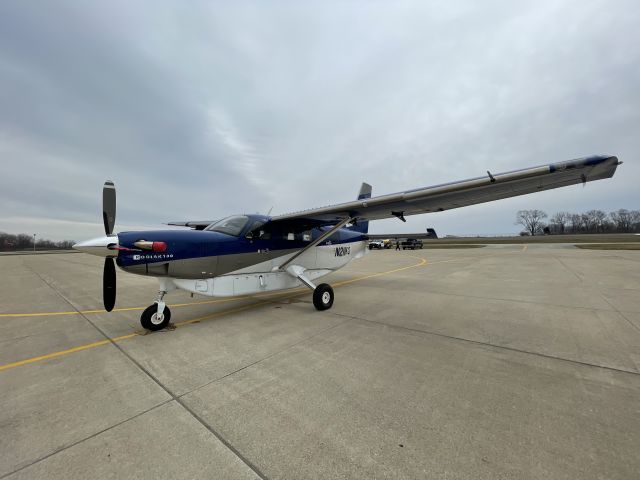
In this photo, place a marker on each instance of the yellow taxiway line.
(128, 309)
(99, 343)
(65, 352)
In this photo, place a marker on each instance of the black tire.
(323, 297)
(149, 319)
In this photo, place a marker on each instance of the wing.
(196, 225)
(467, 192)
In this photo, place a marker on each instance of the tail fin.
(362, 226)
(365, 191)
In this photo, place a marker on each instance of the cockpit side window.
(256, 232)
(230, 225)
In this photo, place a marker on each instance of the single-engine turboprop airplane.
(249, 254)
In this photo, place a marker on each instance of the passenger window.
(290, 236)
(304, 236)
(264, 235)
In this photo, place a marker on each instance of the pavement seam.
(288, 347)
(619, 312)
(520, 301)
(568, 269)
(510, 300)
(491, 345)
(613, 307)
(178, 400)
(93, 435)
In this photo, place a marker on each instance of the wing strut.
(325, 235)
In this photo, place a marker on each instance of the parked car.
(411, 244)
(376, 245)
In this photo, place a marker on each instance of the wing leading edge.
(447, 196)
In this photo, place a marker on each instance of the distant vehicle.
(376, 245)
(387, 243)
(411, 244)
(380, 244)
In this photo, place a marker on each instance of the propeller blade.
(109, 284)
(109, 206)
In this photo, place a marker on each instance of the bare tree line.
(23, 241)
(593, 221)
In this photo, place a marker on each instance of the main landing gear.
(156, 316)
(323, 297)
(322, 294)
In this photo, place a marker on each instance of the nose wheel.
(157, 316)
(152, 320)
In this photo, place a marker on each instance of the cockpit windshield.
(230, 225)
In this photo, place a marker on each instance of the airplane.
(251, 254)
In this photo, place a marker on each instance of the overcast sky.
(200, 110)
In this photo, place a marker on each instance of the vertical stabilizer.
(362, 226)
(365, 191)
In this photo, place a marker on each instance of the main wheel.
(152, 321)
(323, 296)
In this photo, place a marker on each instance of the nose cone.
(101, 246)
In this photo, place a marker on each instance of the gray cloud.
(200, 110)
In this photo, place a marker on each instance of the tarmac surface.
(503, 362)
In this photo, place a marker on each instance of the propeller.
(109, 271)
(109, 206)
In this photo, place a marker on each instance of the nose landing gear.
(157, 316)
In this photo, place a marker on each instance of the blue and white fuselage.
(239, 262)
